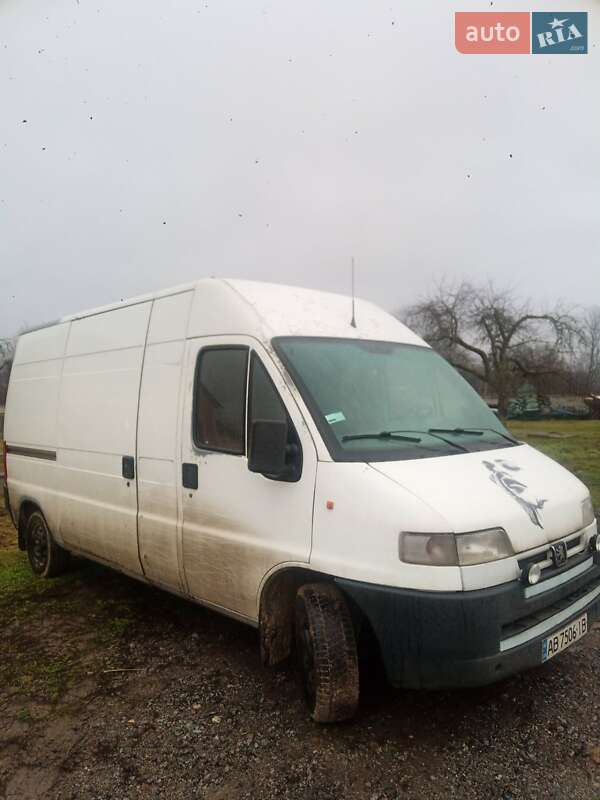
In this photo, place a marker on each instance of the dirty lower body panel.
(452, 639)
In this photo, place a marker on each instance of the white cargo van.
(244, 445)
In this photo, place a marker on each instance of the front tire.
(46, 558)
(326, 649)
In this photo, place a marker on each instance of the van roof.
(270, 309)
(132, 301)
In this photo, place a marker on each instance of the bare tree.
(7, 350)
(494, 337)
(591, 350)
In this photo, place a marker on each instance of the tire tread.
(335, 655)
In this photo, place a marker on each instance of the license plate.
(564, 638)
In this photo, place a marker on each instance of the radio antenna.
(353, 320)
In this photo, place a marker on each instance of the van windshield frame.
(379, 440)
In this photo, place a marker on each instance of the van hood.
(519, 489)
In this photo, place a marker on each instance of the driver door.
(238, 525)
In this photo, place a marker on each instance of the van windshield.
(384, 401)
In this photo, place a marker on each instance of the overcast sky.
(144, 144)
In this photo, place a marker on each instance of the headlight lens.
(435, 549)
(483, 546)
(587, 511)
(448, 550)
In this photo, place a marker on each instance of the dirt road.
(109, 689)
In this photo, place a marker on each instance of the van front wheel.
(46, 558)
(326, 649)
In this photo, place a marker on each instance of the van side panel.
(30, 428)
(32, 410)
(96, 427)
(159, 528)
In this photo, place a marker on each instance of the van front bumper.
(440, 640)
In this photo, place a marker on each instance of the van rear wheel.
(326, 650)
(46, 558)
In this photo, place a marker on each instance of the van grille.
(531, 620)
(576, 546)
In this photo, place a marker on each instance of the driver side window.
(264, 403)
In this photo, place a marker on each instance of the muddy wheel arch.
(276, 612)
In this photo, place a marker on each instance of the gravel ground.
(110, 689)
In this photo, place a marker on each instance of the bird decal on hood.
(502, 473)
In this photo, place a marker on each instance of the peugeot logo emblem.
(558, 552)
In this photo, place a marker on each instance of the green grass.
(20, 589)
(44, 677)
(580, 452)
(24, 715)
(112, 628)
(29, 670)
(15, 573)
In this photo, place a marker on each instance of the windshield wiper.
(385, 435)
(456, 430)
(473, 432)
(441, 438)
(433, 432)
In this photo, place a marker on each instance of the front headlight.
(435, 549)
(483, 546)
(587, 512)
(449, 550)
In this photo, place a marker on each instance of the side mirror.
(268, 447)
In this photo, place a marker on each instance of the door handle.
(189, 476)
(128, 467)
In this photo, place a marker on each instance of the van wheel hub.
(46, 557)
(39, 545)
